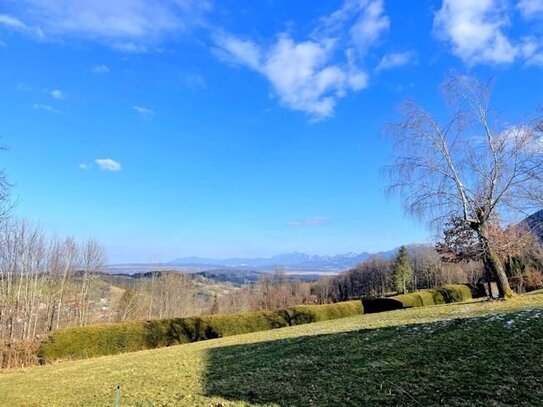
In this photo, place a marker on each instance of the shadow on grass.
(457, 363)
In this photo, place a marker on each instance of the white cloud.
(313, 221)
(84, 166)
(530, 8)
(128, 25)
(244, 52)
(528, 138)
(308, 75)
(100, 69)
(144, 111)
(12, 22)
(57, 94)
(475, 29)
(532, 47)
(481, 32)
(46, 108)
(370, 25)
(395, 60)
(363, 20)
(130, 47)
(17, 24)
(108, 164)
(535, 60)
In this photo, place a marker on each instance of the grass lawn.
(480, 353)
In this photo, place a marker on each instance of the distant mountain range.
(297, 261)
(292, 261)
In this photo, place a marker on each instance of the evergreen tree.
(403, 272)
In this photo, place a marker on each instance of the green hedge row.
(443, 295)
(110, 339)
(304, 314)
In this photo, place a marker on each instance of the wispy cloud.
(108, 164)
(46, 108)
(312, 221)
(364, 21)
(530, 8)
(100, 69)
(130, 47)
(84, 166)
(535, 60)
(306, 75)
(127, 25)
(57, 94)
(12, 22)
(23, 87)
(195, 82)
(144, 111)
(18, 25)
(395, 60)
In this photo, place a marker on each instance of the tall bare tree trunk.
(494, 266)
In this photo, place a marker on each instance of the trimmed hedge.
(443, 295)
(458, 292)
(98, 340)
(110, 339)
(304, 314)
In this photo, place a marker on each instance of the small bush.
(409, 300)
(110, 339)
(433, 297)
(18, 354)
(458, 292)
(442, 295)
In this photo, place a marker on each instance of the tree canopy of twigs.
(470, 165)
(5, 203)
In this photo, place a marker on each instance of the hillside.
(534, 223)
(481, 353)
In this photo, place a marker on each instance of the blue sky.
(237, 128)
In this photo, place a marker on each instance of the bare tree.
(128, 306)
(92, 260)
(160, 294)
(470, 166)
(5, 202)
(322, 289)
